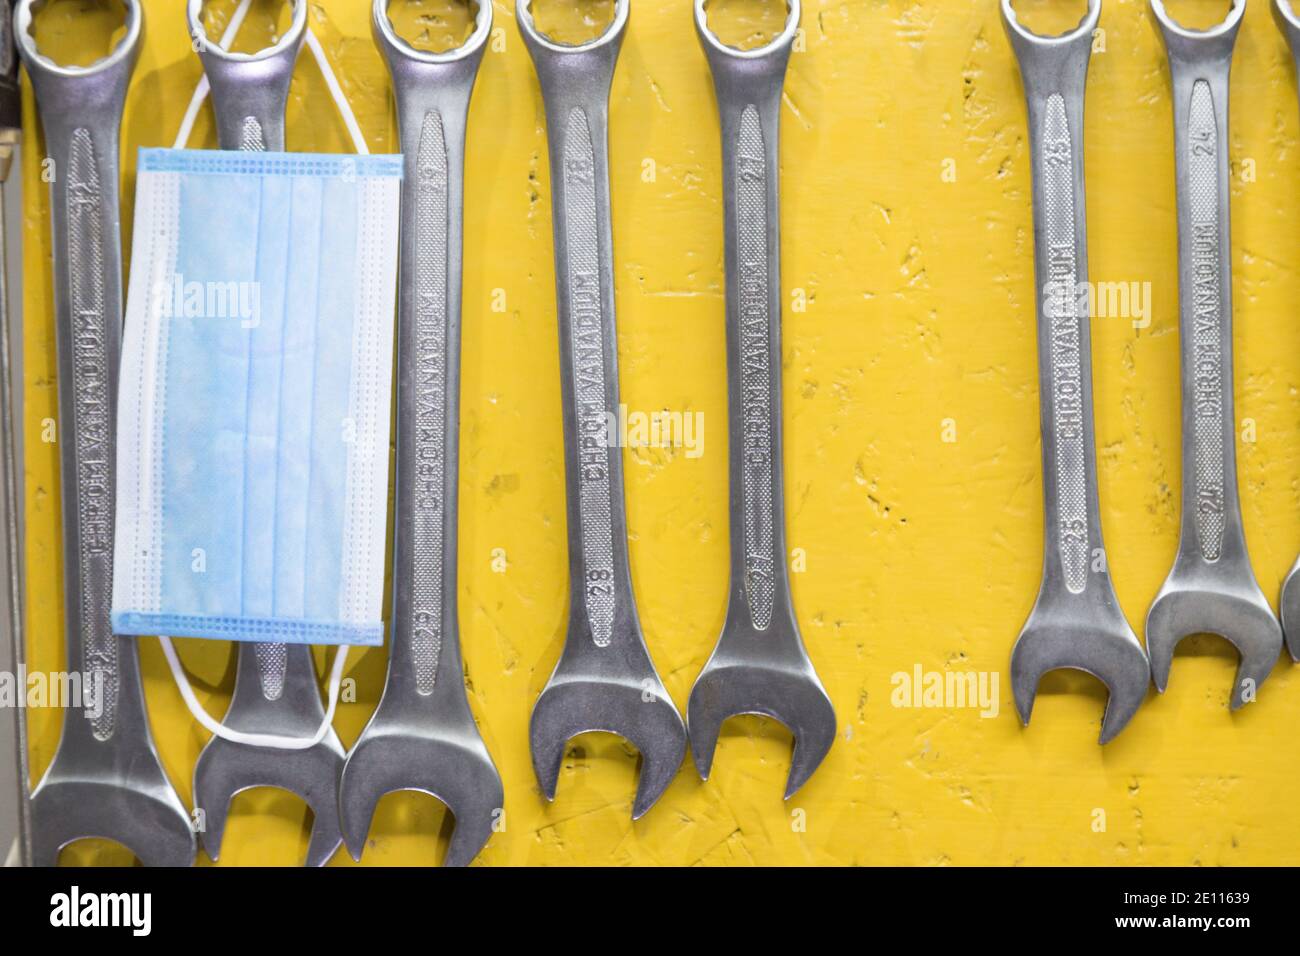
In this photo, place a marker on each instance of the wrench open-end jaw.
(1290, 605)
(605, 679)
(1076, 621)
(1288, 20)
(1211, 588)
(106, 779)
(422, 736)
(276, 690)
(760, 665)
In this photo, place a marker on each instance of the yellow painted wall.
(918, 551)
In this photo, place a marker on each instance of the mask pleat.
(331, 415)
(265, 339)
(206, 394)
(299, 381)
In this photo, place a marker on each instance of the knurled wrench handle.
(1054, 72)
(575, 82)
(81, 112)
(432, 94)
(249, 90)
(1199, 65)
(249, 93)
(748, 86)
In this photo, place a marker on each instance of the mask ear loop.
(273, 741)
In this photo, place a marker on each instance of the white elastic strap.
(257, 740)
(336, 91)
(274, 741)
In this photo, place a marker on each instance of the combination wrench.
(759, 665)
(605, 679)
(422, 736)
(1211, 588)
(1288, 19)
(276, 689)
(11, 602)
(106, 779)
(1076, 621)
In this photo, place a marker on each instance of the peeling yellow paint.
(907, 233)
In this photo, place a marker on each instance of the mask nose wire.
(273, 741)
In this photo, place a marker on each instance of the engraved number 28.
(598, 582)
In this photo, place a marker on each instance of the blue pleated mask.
(254, 405)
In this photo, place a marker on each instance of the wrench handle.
(248, 101)
(1054, 75)
(81, 115)
(1211, 513)
(432, 111)
(749, 96)
(575, 87)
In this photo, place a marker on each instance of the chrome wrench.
(422, 736)
(11, 453)
(1211, 588)
(1076, 621)
(1288, 19)
(106, 779)
(276, 689)
(605, 679)
(760, 665)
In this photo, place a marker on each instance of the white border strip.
(370, 403)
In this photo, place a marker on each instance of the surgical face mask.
(253, 419)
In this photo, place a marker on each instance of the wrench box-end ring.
(1227, 27)
(1085, 27)
(612, 34)
(125, 51)
(781, 41)
(204, 45)
(1289, 21)
(473, 43)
